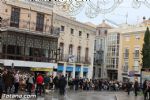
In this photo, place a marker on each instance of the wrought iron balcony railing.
(30, 26)
(74, 59)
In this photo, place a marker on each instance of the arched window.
(86, 54)
(79, 53)
(70, 49)
(61, 50)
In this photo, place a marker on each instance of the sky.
(118, 15)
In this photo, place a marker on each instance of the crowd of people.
(12, 81)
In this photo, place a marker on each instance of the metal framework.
(95, 7)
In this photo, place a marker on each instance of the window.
(72, 31)
(61, 50)
(39, 22)
(137, 37)
(15, 16)
(79, 54)
(80, 33)
(70, 49)
(136, 65)
(87, 35)
(125, 67)
(105, 32)
(86, 54)
(99, 32)
(126, 54)
(62, 28)
(136, 53)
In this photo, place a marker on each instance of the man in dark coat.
(128, 86)
(136, 87)
(56, 82)
(62, 85)
(145, 89)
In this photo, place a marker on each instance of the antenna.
(126, 18)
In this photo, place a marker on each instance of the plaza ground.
(85, 95)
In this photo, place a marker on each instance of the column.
(81, 72)
(90, 71)
(64, 71)
(73, 73)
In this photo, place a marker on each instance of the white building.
(76, 43)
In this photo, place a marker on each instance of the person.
(1, 84)
(62, 85)
(128, 86)
(16, 82)
(46, 81)
(56, 82)
(136, 87)
(8, 80)
(145, 89)
(76, 83)
(31, 82)
(39, 82)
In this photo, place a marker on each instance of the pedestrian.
(128, 87)
(1, 84)
(136, 87)
(145, 88)
(39, 82)
(31, 82)
(46, 81)
(56, 82)
(62, 85)
(8, 79)
(16, 82)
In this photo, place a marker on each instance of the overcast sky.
(119, 14)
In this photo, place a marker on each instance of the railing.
(74, 59)
(31, 26)
(25, 58)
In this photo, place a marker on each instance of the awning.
(78, 69)
(42, 69)
(85, 69)
(70, 69)
(60, 68)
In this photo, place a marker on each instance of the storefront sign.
(42, 69)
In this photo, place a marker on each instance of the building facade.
(100, 50)
(131, 60)
(28, 38)
(76, 43)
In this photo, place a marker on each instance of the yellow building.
(131, 49)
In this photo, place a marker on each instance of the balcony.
(29, 27)
(74, 59)
(26, 58)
